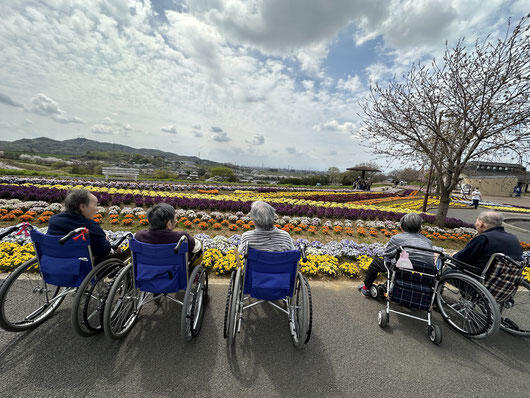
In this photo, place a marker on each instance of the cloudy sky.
(257, 82)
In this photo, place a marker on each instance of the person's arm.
(472, 250)
(98, 240)
(391, 248)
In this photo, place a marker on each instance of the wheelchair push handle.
(183, 238)
(78, 231)
(120, 241)
(303, 251)
(24, 226)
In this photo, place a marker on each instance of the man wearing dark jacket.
(491, 238)
(80, 209)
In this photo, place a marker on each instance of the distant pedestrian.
(476, 197)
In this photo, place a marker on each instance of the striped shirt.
(274, 240)
(410, 239)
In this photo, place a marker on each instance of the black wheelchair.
(156, 271)
(65, 266)
(503, 278)
(268, 277)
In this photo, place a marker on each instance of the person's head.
(161, 216)
(262, 214)
(411, 222)
(488, 219)
(81, 201)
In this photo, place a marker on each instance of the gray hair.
(159, 215)
(411, 222)
(491, 218)
(262, 214)
(75, 199)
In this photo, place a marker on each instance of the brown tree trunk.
(445, 199)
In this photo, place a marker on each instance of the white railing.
(120, 172)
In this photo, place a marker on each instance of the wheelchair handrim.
(28, 295)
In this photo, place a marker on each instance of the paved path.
(348, 355)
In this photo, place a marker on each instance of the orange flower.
(302, 226)
(17, 212)
(127, 221)
(297, 230)
(26, 217)
(196, 220)
(325, 230)
(129, 215)
(47, 213)
(212, 221)
(188, 224)
(31, 213)
(240, 222)
(3, 212)
(183, 219)
(348, 231)
(246, 226)
(144, 221)
(225, 222)
(312, 229)
(114, 221)
(361, 231)
(203, 225)
(233, 227)
(216, 226)
(373, 232)
(337, 229)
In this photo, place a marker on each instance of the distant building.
(496, 179)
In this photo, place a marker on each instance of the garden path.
(348, 355)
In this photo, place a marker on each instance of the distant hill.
(80, 146)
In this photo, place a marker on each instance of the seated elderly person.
(162, 222)
(410, 224)
(80, 209)
(265, 236)
(491, 238)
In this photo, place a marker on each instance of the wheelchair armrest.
(9, 231)
(119, 242)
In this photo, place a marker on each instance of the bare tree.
(472, 105)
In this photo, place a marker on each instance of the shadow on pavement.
(264, 345)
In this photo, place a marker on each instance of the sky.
(273, 83)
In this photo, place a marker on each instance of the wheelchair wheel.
(120, 313)
(515, 314)
(26, 300)
(310, 325)
(234, 311)
(382, 319)
(194, 302)
(435, 334)
(228, 303)
(89, 301)
(467, 305)
(299, 312)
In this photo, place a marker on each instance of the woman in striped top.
(266, 236)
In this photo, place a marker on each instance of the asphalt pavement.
(348, 355)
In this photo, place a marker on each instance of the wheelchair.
(266, 277)
(503, 278)
(66, 266)
(156, 271)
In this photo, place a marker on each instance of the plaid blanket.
(503, 279)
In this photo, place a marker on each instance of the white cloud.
(256, 140)
(221, 136)
(109, 126)
(351, 84)
(334, 125)
(45, 106)
(169, 129)
(6, 99)
(197, 134)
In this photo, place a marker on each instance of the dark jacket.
(62, 223)
(161, 236)
(494, 240)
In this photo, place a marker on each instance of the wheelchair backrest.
(157, 268)
(270, 275)
(62, 264)
(502, 276)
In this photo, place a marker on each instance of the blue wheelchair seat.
(157, 268)
(64, 265)
(270, 275)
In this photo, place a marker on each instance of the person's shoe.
(364, 290)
